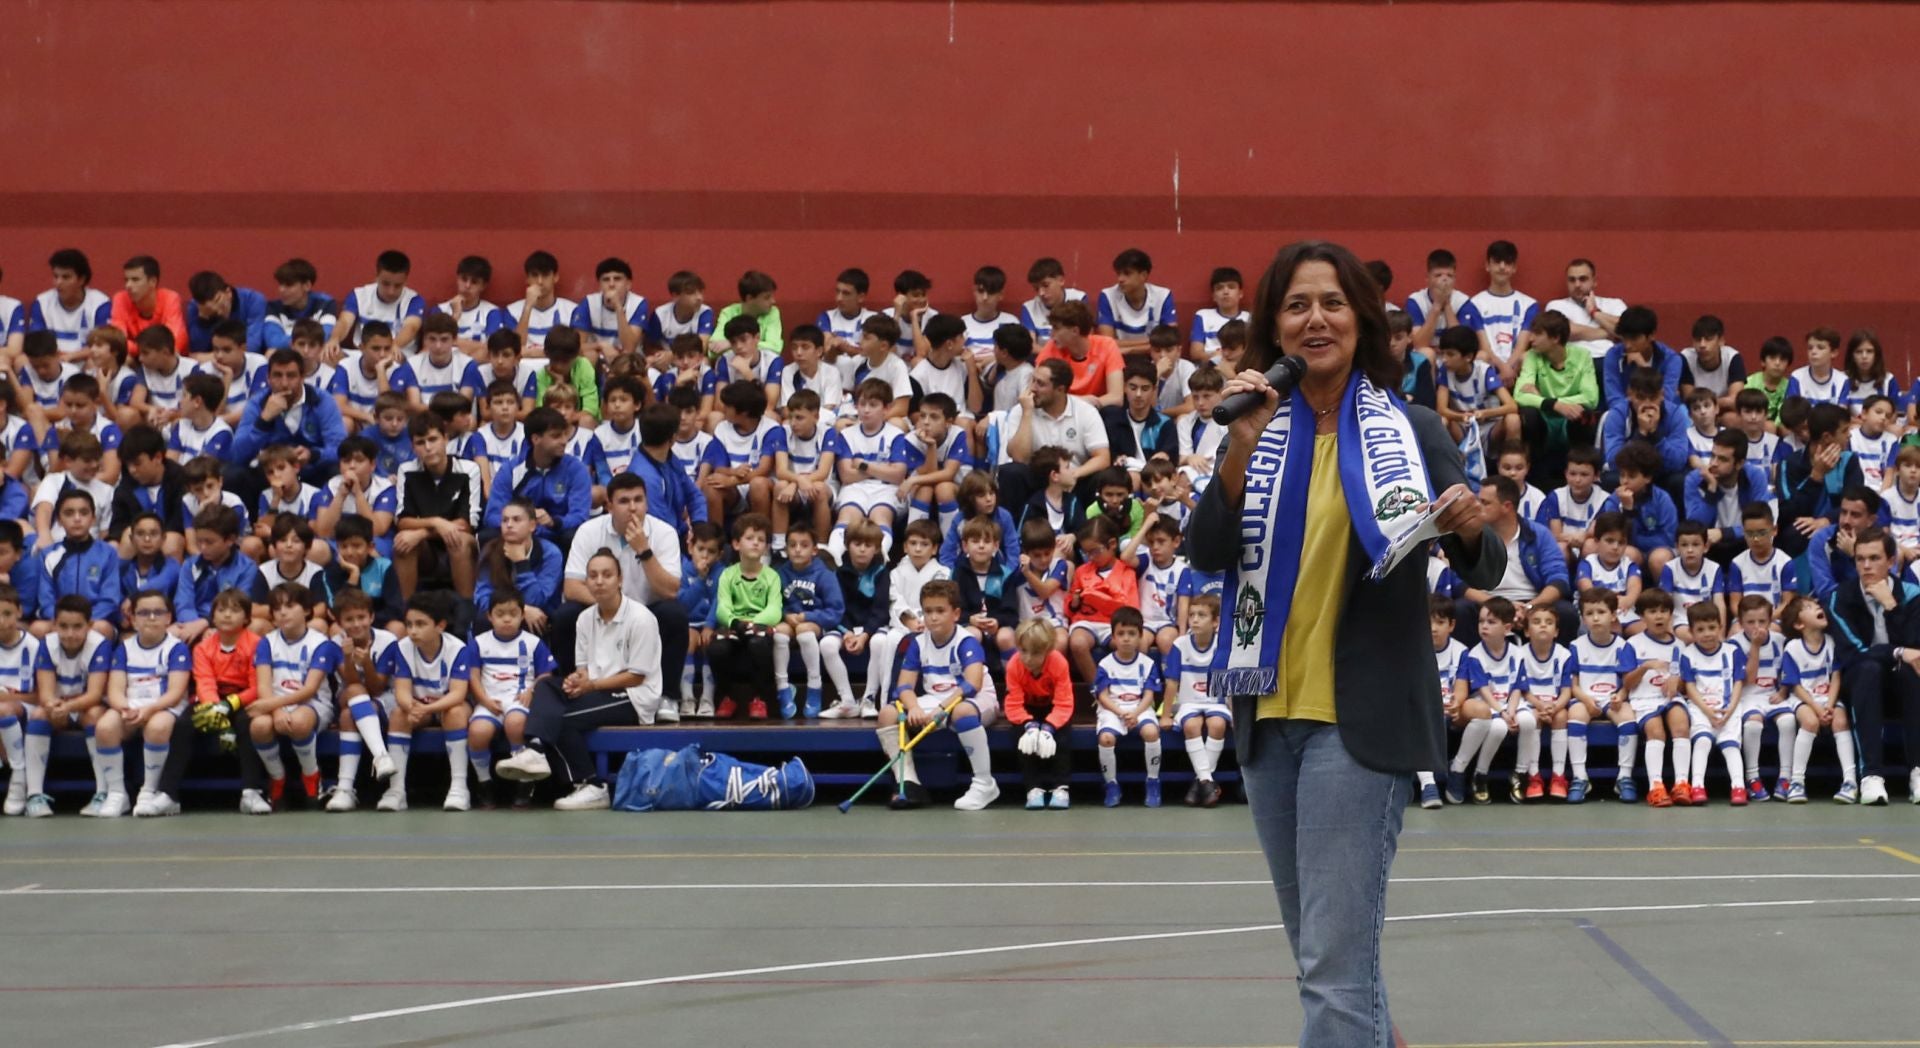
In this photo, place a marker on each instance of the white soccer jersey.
(687, 453)
(886, 445)
(54, 483)
(1206, 328)
(1198, 436)
(149, 670)
(837, 324)
(509, 666)
(1596, 667)
(1478, 390)
(290, 660)
(46, 392)
(1448, 661)
(1503, 318)
(1643, 649)
(1189, 666)
(1809, 668)
(1761, 452)
(601, 324)
(1560, 504)
(1128, 321)
(19, 662)
(350, 381)
(1903, 515)
(766, 367)
(540, 321)
(1875, 455)
(1857, 393)
(1766, 678)
(826, 380)
(189, 441)
(979, 336)
(742, 449)
(73, 669)
(1690, 588)
(803, 453)
(365, 303)
(1833, 390)
(422, 373)
(1160, 591)
(1128, 682)
(942, 667)
(903, 348)
(1700, 444)
(431, 677)
(1766, 578)
(304, 502)
(1614, 578)
(951, 380)
(854, 369)
(70, 326)
(1714, 674)
(476, 323)
(377, 497)
(1531, 499)
(1545, 676)
(501, 450)
(953, 447)
(618, 446)
(1034, 314)
(1054, 608)
(666, 325)
(1498, 674)
(163, 391)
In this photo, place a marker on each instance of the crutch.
(906, 748)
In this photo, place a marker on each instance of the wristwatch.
(644, 555)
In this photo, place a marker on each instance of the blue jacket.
(538, 578)
(671, 494)
(1540, 557)
(200, 582)
(1653, 523)
(90, 568)
(1670, 439)
(13, 502)
(321, 427)
(164, 577)
(564, 490)
(25, 578)
(1613, 374)
(814, 593)
(951, 553)
(1753, 487)
(699, 595)
(1852, 622)
(249, 307)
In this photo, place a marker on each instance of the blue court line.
(1696, 1022)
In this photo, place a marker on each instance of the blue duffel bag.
(689, 780)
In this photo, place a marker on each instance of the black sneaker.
(1195, 792)
(914, 796)
(523, 796)
(1212, 793)
(1480, 795)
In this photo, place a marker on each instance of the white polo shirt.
(628, 644)
(1078, 429)
(599, 533)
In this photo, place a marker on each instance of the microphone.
(1281, 376)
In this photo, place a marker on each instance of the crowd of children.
(261, 516)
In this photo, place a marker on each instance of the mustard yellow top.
(1305, 680)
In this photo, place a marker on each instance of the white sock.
(1557, 749)
(706, 680)
(39, 748)
(399, 747)
(457, 759)
(482, 761)
(1730, 756)
(1527, 757)
(880, 650)
(93, 758)
(1750, 730)
(1215, 747)
(1785, 727)
(1425, 778)
(1656, 762)
(1197, 756)
(1802, 753)
(113, 769)
(886, 541)
(1682, 761)
(155, 758)
(917, 511)
(349, 770)
(1577, 749)
(836, 667)
(782, 656)
(974, 742)
(1109, 764)
(1496, 734)
(810, 657)
(1628, 751)
(1843, 741)
(269, 752)
(779, 542)
(13, 738)
(949, 513)
(837, 544)
(1471, 738)
(1153, 759)
(307, 752)
(366, 720)
(689, 674)
(890, 745)
(1702, 756)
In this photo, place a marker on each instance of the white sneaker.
(705, 710)
(143, 804)
(115, 805)
(253, 802)
(16, 794)
(458, 799)
(395, 799)
(868, 711)
(92, 810)
(383, 767)
(1913, 786)
(978, 796)
(840, 711)
(668, 713)
(160, 805)
(529, 765)
(39, 806)
(344, 799)
(689, 708)
(588, 796)
(1873, 790)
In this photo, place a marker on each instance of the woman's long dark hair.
(1370, 353)
(494, 557)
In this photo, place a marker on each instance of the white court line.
(389, 889)
(1057, 944)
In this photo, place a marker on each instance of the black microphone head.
(1295, 367)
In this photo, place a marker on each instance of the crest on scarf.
(1249, 614)
(1397, 502)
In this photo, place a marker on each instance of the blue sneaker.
(1577, 791)
(812, 708)
(1456, 787)
(1153, 793)
(1796, 793)
(1113, 795)
(1757, 791)
(1849, 793)
(787, 708)
(1430, 796)
(1629, 793)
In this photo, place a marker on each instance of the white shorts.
(507, 709)
(1645, 710)
(385, 701)
(983, 700)
(1102, 631)
(1763, 706)
(1189, 710)
(869, 495)
(322, 710)
(1106, 721)
(1726, 733)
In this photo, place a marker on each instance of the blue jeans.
(1329, 828)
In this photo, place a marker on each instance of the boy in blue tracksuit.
(699, 594)
(557, 484)
(1717, 493)
(218, 566)
(868, 597)
(1649, 418)
(811, 604)
(84, 566)
(1649, 509)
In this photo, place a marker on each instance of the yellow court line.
(130, 860)
(1897, 853)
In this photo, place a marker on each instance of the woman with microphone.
(1330, 675)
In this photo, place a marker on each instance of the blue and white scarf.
(1385, 480)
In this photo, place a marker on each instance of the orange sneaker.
(1535, 788)
(1739, 797)
(311, 785)
(1699, 796)
(1682, 795)
(1657, 796)
(726, 710)
(1557, 789)
(756, 710)
(276, 789)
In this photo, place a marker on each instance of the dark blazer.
(1385, 683)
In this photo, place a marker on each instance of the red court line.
(359, 984)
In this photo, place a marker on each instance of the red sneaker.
(276, 789)
(311, 785)
(1739, 797)
(725, 710)
(1535, 788)
(1682, 795)
(1557, 789)
(756, 710)
(1699, 796)
(1657, 796)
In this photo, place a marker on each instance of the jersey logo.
(1397, 502)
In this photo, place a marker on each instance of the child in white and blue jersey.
(690, 440)
(1690, 576)
(369, 303)
(439, 367)
(1203, 719)
(807, 371)
(1711, 671)
(1132, 306)
(45, 374)
(1514, 463)
(841, 323)
(506, 660)
(937, 458)
(1593, 678)
(1704, 412)
(619, 429)
(199, 430)
(503, 438)
(1650, 673)
(365, 695)
(1045, 578)
(1902, 500)
(598, 319)
(1204, 338)
(736, 466)
(536, 320)
(1819, 381)
(431, 672)
(1873, 443)
(1607, 567)
(1808, 673)
(1763, 568)
(295, 665)
(1448, 655)
(152, 670)
(1124, 689)
(1544, 667)
(802, 467)
(1469, 389)
(943, 668)
(19, 698)
(1763, 699)
(744, 361)
(69, 324)
(162, 370)
(1866, 370)
(857, 449)
(1492, 670)
(686, 314)
(1162, 571)
(75, 661)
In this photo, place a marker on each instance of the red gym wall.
(1754, 160)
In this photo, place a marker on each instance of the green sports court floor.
(1540, 926)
